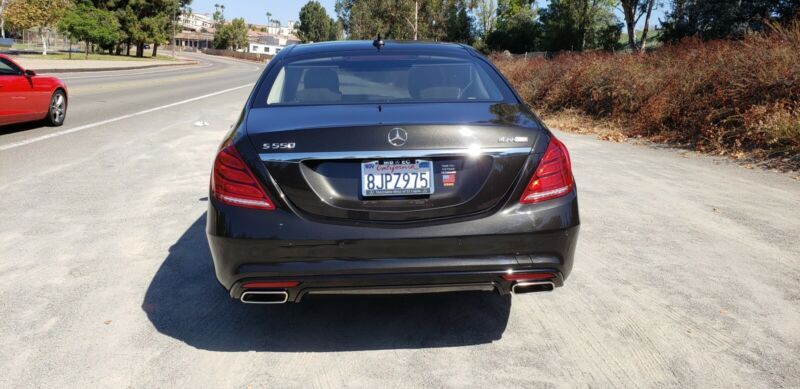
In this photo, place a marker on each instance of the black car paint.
(333, 245)
(363, 127)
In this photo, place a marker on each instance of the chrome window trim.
(391, 154)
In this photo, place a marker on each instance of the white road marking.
(116, 119)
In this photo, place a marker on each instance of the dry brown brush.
(729, 97)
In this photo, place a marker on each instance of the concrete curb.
(239, 59)
(77, 70)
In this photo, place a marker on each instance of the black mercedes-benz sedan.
(382, 168)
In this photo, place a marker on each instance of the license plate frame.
(393, 172)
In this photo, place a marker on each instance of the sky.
(254, 11)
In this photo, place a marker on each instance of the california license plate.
(397, 178)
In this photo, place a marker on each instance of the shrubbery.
(720, 96)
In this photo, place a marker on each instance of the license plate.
(397, 178)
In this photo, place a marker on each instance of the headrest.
(424, 77)
(321, 79)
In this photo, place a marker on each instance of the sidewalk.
(88, 65)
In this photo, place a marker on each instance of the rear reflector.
(528, 276)
(553, 176)
(233, 183)
(270, 284)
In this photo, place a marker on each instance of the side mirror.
(29, 73)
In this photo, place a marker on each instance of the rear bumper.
(331, 258)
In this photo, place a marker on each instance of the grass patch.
(97, 57)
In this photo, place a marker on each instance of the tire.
(57, 111)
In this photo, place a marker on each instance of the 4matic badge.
(512, 139)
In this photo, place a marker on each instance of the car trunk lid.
(316, 156)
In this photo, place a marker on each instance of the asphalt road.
(687, 272)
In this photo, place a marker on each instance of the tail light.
(271, 284)
(528, 276)
(553, 176)
(233, 183)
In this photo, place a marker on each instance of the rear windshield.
(384, 79)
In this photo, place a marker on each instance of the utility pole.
(174, 22)
(416, 18)
(415, 24)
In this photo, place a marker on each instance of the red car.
(26, 97)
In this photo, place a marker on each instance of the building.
(197, 22)
(274, 29)
(270, 44)
(197, 40)
(267, 44)
(272, 41)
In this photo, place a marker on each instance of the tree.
(219, 15)
(3, 6)
(459, 23)
(155, 28)
(633, 10)
(486, 13)
(232, 35)
(149, 21)
(129, 26)
(589, 16)
(516, 29)
(315, 24)
(578, 25)
(86, 23)
(394, 19)
(715, 19)
(41, 14)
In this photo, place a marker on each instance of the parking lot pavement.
(687, 274)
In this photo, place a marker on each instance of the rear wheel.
(58, 109)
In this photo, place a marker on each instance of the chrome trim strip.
(411, 289)
(387, 154)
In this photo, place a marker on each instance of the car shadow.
(185, 301)
(19, 127)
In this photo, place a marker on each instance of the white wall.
(264, 49)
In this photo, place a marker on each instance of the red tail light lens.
(527, 276)
(271, 284)
(553, 177)
(233, 183)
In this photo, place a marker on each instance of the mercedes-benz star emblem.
(397, 137)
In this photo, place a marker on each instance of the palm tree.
(269, 20)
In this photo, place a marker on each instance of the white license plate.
(397, 178)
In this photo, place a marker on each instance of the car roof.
(8, 58)
(389, 46)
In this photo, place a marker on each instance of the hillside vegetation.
(728, 97)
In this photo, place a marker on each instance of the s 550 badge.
(278, 146)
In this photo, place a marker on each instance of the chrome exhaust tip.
(264, 297)
(532, 287)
